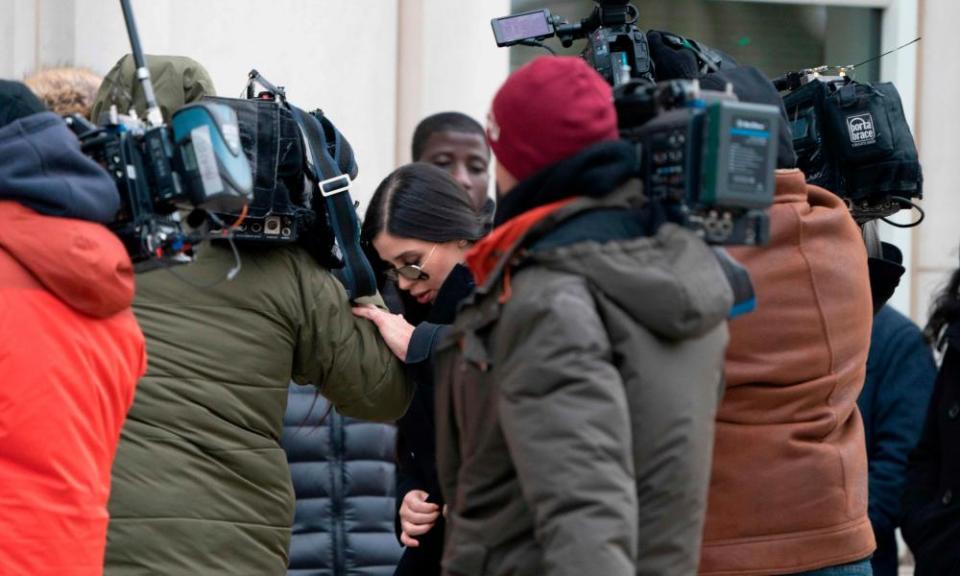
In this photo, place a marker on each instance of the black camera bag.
(853, 139)
(302, 169)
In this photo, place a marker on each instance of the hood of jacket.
(42, 167)
(670, 281)
(81, 263)
(177, 80)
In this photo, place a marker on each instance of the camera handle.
(254, 78)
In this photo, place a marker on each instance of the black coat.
(343, 475)
(416, 438)
(931, 505)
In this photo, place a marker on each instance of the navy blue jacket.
(343, 474)
(44, 169)
(900, 377)
(931, 504)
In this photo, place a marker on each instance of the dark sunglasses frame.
(412, 272)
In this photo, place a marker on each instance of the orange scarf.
(485, 254)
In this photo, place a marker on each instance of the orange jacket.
(70, 356)
(789, 486)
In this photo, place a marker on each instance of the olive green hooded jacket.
(201, 484)
(177, 80)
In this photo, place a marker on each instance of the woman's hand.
(396, 331)
(417, 517)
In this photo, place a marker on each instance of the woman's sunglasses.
(412, 272)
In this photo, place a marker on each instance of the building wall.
(936, 240)
(355, 59)
(378, 66)
(448, 60)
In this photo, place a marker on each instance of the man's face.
(465, 156)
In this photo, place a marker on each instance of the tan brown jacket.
(789, 485)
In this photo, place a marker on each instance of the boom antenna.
(154, 117)
(887, 53)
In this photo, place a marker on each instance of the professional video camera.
(303, 169)
(852, 138)
(196, 162)
(703, 155)
(615, 47)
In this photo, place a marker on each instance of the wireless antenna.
(885, 54)
(154, 117)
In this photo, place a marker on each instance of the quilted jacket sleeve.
(344, 356)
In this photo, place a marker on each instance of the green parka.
(177, 80)
(200, 482)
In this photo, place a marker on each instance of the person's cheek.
(482, 183)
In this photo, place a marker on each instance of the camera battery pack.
(739, 154)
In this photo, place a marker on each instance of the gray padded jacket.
(575, 420)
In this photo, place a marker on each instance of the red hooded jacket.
(70, 356)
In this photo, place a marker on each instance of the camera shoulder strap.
(331, 167)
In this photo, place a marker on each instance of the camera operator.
(577, 395)
(70, 348)
(201, 482)
(788, 493)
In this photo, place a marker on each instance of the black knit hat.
(17, 101)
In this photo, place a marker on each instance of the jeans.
(860, 568)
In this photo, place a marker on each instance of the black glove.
(674, 60)
(675, 57)
(671, 60)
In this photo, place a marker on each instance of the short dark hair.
(423, 202)
(442, 122)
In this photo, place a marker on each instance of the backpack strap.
(331, 166)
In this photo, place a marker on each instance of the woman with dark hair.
(931, 504)
(421, 225)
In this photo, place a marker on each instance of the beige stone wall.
(378, 66)
(936, 241)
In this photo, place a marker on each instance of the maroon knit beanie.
(547, 111)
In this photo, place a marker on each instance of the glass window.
(774, 37)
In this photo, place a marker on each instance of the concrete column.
(901, 25)
(447, 60)
(936, 241)
(18, 38)
(57, 32)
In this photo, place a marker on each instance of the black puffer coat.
(344, 475)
